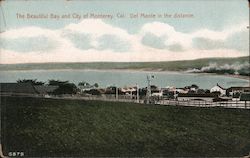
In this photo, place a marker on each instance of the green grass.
(164, 65)
(47, 127)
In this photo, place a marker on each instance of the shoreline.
(226, 75)
(137, 70)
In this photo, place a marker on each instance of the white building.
(157, 94)
(86, 88)
(194, 96)
(129, 90)
(218, 88)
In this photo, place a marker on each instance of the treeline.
(64, 87)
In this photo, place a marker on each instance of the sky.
(65, 31)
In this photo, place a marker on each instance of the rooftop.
(17, 88)
(245, 97)
(206, 95)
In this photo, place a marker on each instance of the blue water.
(124, 78)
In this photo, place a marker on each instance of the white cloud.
(97, 33)
(220, 35)
(93, 55)
(95, 27)
(170, 35)
(28, 32)
(163, 36)
(94, 40)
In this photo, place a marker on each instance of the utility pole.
(137, 94)
(148, 96)
(116, 92)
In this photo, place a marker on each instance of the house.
(245, 97)
(157, 93)
(129, 90)
(195, 96)
(236, 91)
(181, 90)
(192, 89)
(219, 89)
(17, 89)
(45, 90)
(84, 88)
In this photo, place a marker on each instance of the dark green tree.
(83, 83)
(96, 85)
(32, 81)
(64, 87)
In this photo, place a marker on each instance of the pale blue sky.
(213, 15)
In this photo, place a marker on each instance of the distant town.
(190, 95)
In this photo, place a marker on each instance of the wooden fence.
(200, 103)
(196, 103)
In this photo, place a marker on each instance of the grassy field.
(47, 127)
(164, 66)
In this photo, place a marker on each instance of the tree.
(201, 91)
(207, 91)
(31, 81)
(96, 85)
(57, 82)
(83, 83)
(194, 86)
(110, 90)
(64, 87)
(94, 92)
(142, 91)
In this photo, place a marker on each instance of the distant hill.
(219, 65)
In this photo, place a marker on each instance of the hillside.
(47, 127)
(168, 65)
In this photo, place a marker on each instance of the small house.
(235, 92)
(157, 93)
(129, 90)
(84, 88)
(17, 89)
(45, 90)
(245, 97)
(195, 96)
(219, 89)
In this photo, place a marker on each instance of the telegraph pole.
(116, 92)
(137, 94)
(148, 96)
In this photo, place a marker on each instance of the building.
(192, 89)
(157, 93)
(129, 90)
(194, 96)
(181, 90)
(17, 89)
(84, 88)
(235, 92)
(45, 90)
(246, 98)
(219, 89)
